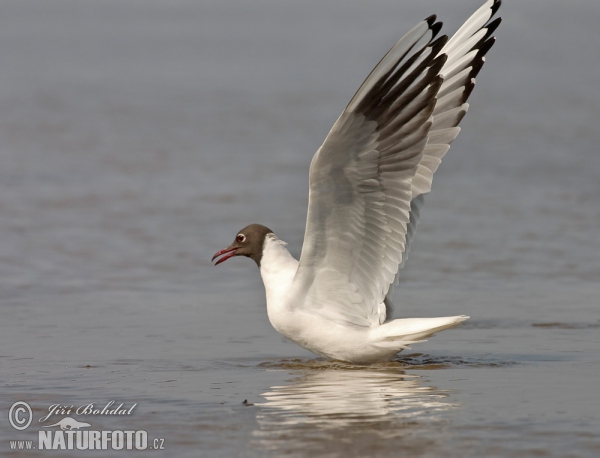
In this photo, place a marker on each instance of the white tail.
(404, 332)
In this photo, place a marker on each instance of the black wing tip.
(431, 19)
(435, 28)
(468, 89)
(477, 65)
(479, 59)
(438, 63)
(437, 44)
(491, 27)
(486, 46)
(496, 6)
(436, 83)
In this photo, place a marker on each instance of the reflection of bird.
(348, 396)
(329, 402)
(367, 183)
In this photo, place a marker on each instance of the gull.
(367, 184)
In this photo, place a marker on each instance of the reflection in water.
(329, 403)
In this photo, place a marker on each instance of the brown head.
(248, 242)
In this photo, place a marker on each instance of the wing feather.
(459, 80)
(368, 179)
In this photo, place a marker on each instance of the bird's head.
(248, 242)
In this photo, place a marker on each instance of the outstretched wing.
(466, 52)
(378, 157)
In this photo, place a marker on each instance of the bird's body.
(326, 337)
(367, 184)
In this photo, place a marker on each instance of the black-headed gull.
(367, 183)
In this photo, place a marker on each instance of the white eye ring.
(241, 238)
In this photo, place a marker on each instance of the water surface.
(137, 136)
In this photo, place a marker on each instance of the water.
(136, 137)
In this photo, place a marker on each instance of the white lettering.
(129, 435)
(59, 441)
(118, 440)
(45, 440)
(105, 439)
(82, 442)
(84, 410)
(106, 407)
(141, 440)
(56, 409)
(70, 435)
(94, 440)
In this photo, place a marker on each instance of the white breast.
(277, 269)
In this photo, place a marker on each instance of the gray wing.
(375, 161)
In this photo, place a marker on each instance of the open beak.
(230, 252)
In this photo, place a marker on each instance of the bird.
(367, 184)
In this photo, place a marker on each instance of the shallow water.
(136, 137)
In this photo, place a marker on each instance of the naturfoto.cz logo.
(69, 433)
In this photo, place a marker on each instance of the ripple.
(323, 364)
(427, 362)
(411, 361)
(559, 325)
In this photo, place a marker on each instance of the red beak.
(231, 254)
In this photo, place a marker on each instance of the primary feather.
(368, 179)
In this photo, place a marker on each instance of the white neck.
(277, 269)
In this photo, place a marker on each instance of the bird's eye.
(241, 238)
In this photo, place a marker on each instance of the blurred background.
(133, 134)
